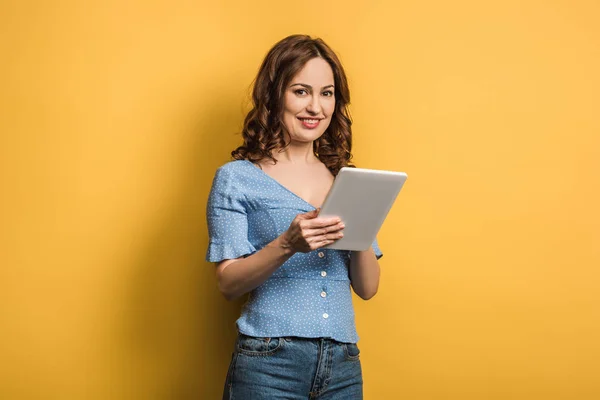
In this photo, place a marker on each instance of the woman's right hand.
(308, 232)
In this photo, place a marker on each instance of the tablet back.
(362, 198)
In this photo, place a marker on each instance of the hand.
(308, 232)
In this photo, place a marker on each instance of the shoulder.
(232, 169)
(232, 175)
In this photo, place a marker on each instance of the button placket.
(322, 254)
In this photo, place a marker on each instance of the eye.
(328, 93)
(300, 92)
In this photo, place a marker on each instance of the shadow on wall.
(180, 329)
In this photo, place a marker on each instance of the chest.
(309, 183)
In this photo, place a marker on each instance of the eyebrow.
(310, 87)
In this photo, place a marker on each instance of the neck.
(297, 153)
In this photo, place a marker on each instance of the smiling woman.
(297, 334)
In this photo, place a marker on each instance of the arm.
(241, 275)
(364, 273)
(307, 232)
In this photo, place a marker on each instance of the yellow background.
(115, 115)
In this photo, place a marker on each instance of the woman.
(297, 336)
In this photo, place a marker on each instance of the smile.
(310, 123)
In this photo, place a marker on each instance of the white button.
(325, 315)
(323, 273)
(321, 254)
(323, 294)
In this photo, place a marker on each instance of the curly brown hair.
(264, 130)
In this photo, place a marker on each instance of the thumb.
(311, 214)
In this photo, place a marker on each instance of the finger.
(320, 244)
(317, 241)
(318, 222)
(331, 237)
(334, 236)
(307, 232)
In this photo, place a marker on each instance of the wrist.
(283, 243)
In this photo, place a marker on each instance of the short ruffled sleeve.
(376, 249)
(227, 219)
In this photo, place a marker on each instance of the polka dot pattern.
(309, 295)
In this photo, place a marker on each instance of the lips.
(310, 123)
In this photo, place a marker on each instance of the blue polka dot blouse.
(309, 295)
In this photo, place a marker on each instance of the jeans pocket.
(352, 351)
(258, 346)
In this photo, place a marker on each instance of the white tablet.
(362, 198)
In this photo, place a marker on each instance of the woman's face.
(309, 101)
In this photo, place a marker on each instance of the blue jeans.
(293, 368)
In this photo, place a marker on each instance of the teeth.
(310, 121)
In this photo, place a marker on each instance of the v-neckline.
(260, 170)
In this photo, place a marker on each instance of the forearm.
(245, 274)
(364, 273)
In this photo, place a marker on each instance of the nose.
(314, 106)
